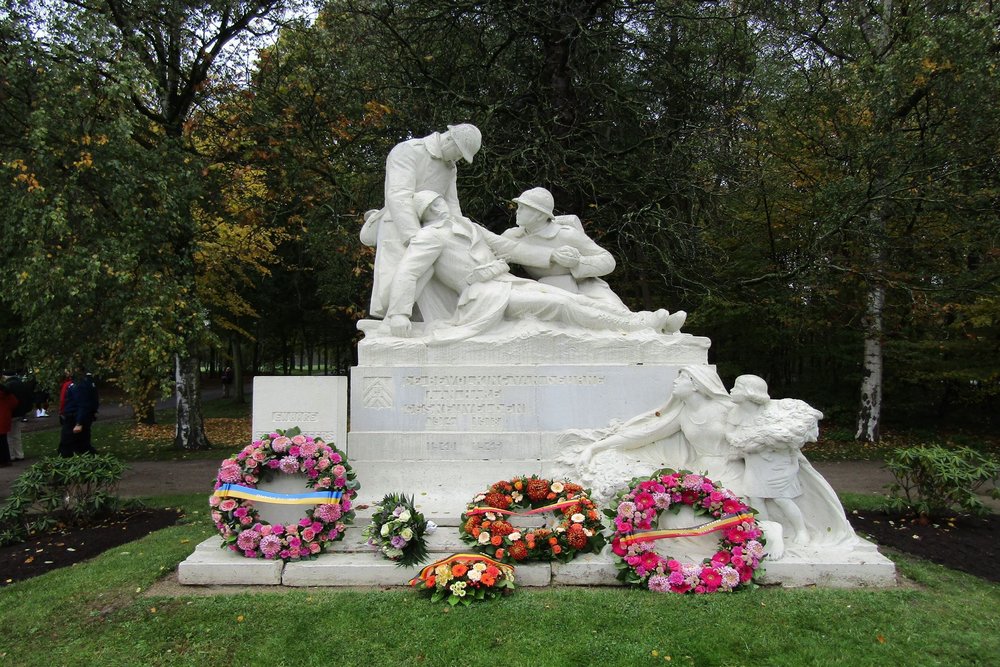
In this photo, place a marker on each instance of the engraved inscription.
(475, 402)
(442, 446)
(294, 417)
(439, 422)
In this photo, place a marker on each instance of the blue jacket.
(81, 401)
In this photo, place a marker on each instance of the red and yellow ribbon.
(538, 510)
(727, 521)
(508, 570)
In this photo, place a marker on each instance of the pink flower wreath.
(635, 511)
(288, 452)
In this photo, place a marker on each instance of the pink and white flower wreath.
(291, 453)
(637, 509)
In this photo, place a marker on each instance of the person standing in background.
(8, 402)
(23, 391)
(79, 413)
(227, 381)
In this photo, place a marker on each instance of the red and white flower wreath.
(636, 510)
(486, 523)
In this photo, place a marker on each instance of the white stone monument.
(475, 375)
(317, 405)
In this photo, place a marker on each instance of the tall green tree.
(109, 183)
(883, 143)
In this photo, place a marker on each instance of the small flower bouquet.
(462, 578)
(397, 530)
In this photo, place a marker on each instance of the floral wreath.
(288, 452)
(486, 524)
(635, 512)
(462, 578)
(397, 530)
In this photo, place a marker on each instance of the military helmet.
(468, 138)
(539, 199)
(422, 201)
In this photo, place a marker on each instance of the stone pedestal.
(354, 563)
(444, 422)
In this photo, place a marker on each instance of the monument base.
(354, 563)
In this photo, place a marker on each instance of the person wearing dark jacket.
(8, 401)
(78, 414)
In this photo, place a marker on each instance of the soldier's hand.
(399, 325)
(567, 256)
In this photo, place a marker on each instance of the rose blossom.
(227, 505)
(280, 444)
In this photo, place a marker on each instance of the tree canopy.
(815, 182)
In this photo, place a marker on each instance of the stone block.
(347, 569)
(316, 404)
(212, 565)
(586, 570)
(860, 567)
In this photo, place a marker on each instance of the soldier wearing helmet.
(577, 261)
(428, 163)
(466, 258)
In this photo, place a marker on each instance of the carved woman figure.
(695, 413)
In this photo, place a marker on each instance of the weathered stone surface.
(316, 404)
(210, 564)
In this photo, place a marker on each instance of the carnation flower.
(248, 540)
(577, 518)
(484, 537)
(289, 465)
(659, 583)
(270, 545)
(230, 473)
(557, 487)
(328, 512)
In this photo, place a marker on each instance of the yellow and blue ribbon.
(257, 495)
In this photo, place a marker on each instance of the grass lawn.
(99, 612)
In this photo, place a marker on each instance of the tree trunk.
(190, 432)
(870, 413)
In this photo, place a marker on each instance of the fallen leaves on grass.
(232, 432)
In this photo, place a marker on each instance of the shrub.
(61, 491)
(934, 480)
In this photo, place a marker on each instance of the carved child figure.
(770, 448)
